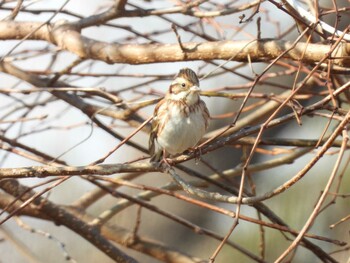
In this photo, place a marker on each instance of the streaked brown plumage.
(180, 119)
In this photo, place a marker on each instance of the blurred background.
(40, 120)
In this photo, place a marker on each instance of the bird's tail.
(157, 156)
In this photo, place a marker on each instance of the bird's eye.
(183, 85)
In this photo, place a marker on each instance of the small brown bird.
(180, 119)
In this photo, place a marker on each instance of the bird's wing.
(154, 129)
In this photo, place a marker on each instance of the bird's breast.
(183, 128)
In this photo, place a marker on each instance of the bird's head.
(185, 86)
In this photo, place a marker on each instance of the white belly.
(182, 132)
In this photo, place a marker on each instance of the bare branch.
(69, 38)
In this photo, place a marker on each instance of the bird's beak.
(195, 89)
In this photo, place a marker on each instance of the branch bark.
(68, 37)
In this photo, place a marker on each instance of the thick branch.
(103, 169)
(69, 38)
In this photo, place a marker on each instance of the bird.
(180, 119)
